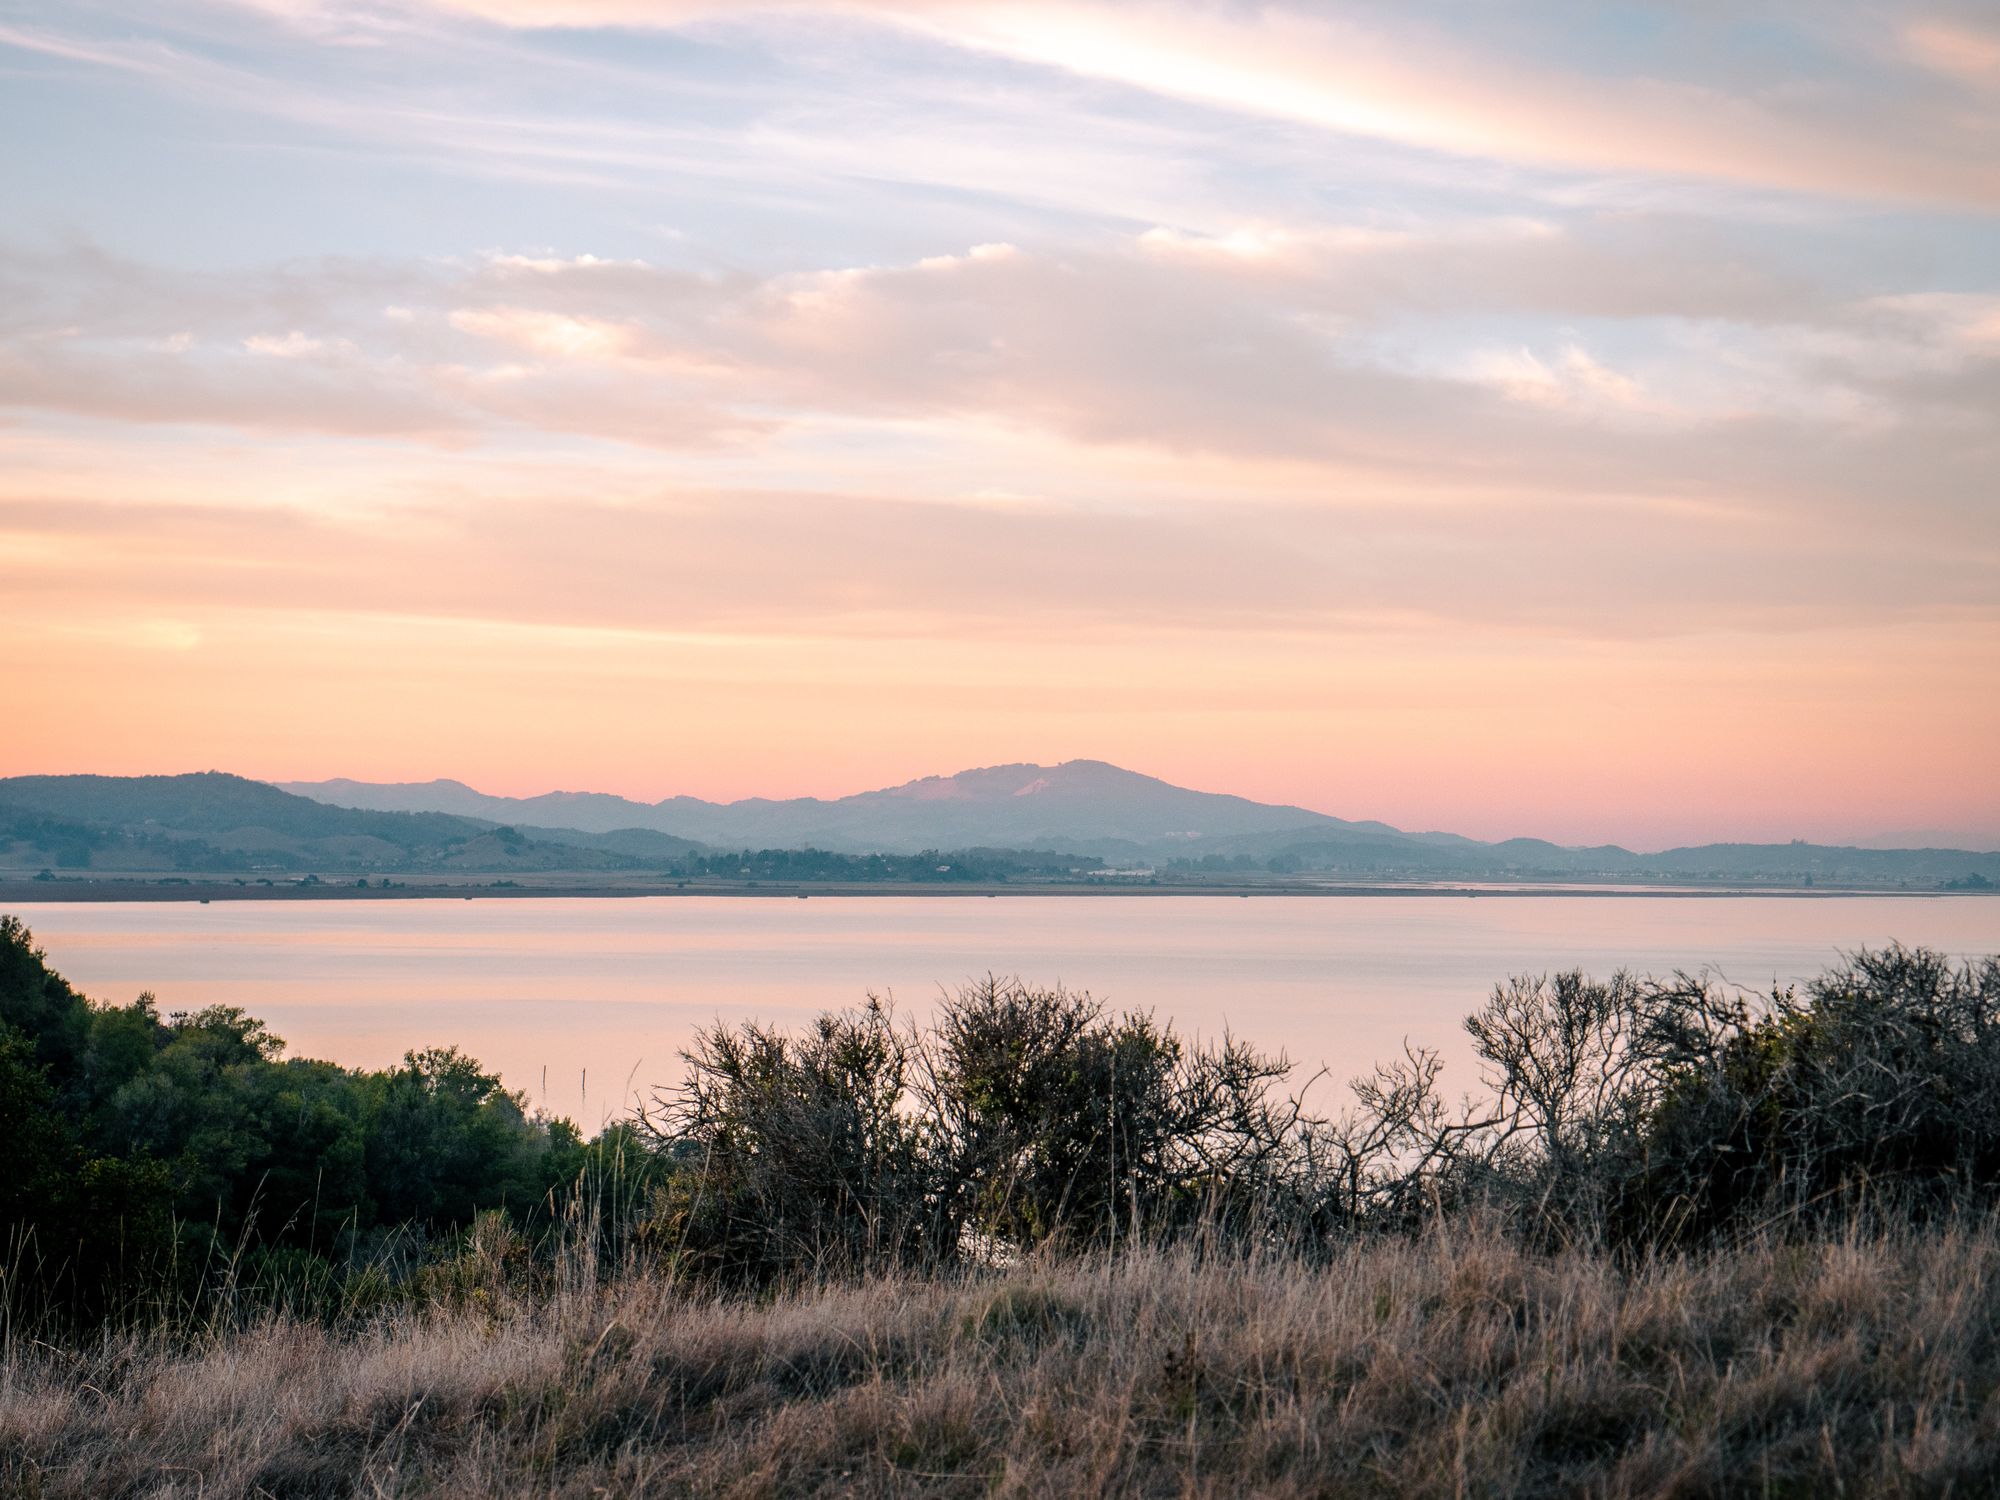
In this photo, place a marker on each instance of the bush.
(1878, 1088)
(1649, 1113)
(153, 1163)
(1021, 1116)
(794, 1153)
(1049, 1119)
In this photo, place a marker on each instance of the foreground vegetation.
(1683, 1240)
(1454, 1363)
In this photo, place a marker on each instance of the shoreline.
(77, 892)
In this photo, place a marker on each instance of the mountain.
(1079, 813)
(1089, 806)
(1076, 805)
(212, 822)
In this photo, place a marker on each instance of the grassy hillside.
(214, 822)
(1455, 1364)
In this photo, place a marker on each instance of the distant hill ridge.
(1090, 804)
(1067, 817)
(1076, 803)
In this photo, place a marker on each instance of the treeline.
(931, 866)
(1385, 854)
(165, 1162)
(74, 844)
(71, 845)
(151, 1159)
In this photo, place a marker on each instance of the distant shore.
(29, 891)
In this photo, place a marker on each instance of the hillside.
(211, 822)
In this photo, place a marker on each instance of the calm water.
(596, 995)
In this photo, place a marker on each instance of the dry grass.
(1455, 1364)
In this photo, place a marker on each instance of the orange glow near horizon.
(1547, 737)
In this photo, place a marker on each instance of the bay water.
(584, 1004)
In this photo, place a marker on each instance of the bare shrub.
(1022, 1116)
(1633, 1112)
(795, 1154)
(1047, 1118)
(1647, 1112)
(1878, 1088)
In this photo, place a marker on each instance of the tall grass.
(1454, 1362)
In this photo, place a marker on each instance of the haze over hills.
(1078, 804)
(1088, 805)
(1000, 823)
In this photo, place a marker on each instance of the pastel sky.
(1556, 418)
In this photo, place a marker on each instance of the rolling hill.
(1089, 805)
(211, 822)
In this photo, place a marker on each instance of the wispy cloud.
(1964, 51)
(1367, 72)
(1316, 345)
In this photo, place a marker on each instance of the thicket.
(1630, 1114)
(153, 1163)
(182, 1162)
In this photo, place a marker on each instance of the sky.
(1579, 420)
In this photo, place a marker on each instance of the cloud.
(133, 382)
(1365, 72)
(1573, 381)
(294, 345)
(1601, 356)
(548, 333)
(1965, 52)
